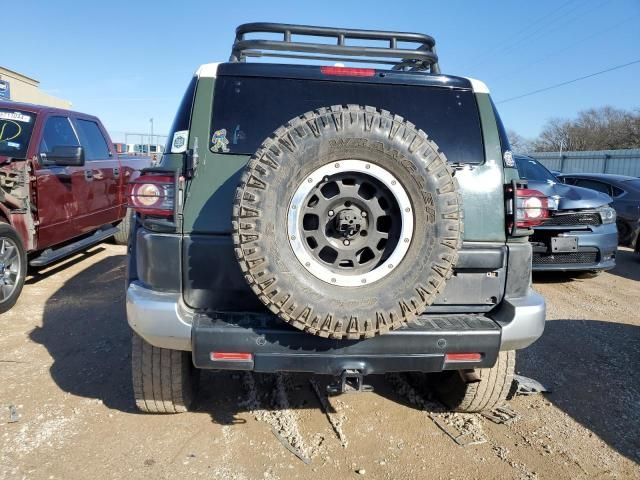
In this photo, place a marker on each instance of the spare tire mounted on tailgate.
(347, 222)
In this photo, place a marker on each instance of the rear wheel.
(492, 389)
(124, 227)
(164, 380)
(13, 266)
(624, 232)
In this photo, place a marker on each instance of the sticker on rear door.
(219, 142)
(179, 142)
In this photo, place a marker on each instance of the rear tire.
(164, 380)
(124, 227)
(13, 266)
(492, 389)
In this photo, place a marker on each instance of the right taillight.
(531, 208)
(153, 194)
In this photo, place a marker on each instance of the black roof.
(314, 72)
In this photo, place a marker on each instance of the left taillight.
(532, 208)
(153, 195)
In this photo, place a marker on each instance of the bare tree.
(604, 128)
(519, 144)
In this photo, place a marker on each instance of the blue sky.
(129, 61)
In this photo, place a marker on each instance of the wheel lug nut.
(346, 242)
(364, 214)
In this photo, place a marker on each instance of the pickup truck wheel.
(124, 227)
(347, 222)
(492, 389)
(13, 266)
(164, 381)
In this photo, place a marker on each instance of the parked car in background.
(580, 234)
(62, 189)
(624, 190)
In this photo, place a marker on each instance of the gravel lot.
(66, 407)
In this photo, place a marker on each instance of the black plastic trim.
(276, 346)
(158, 260)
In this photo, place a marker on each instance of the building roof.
(20, 76)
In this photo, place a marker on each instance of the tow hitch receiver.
(351, 381)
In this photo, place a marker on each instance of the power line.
(617, 67)
(522, 31)
(582, 41)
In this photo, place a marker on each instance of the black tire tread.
(124, 227)
(7, 229)
(254, 260)
(163, 379)
(492, 389)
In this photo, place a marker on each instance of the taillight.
(348, 71)
(532, 208)
(153, 195)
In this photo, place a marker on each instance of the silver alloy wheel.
(10, 267)
(350, 223)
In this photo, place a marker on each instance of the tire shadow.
(591, 369)
(85, 331)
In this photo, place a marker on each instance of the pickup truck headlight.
(607, 214)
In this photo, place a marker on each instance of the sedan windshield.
(15, 132)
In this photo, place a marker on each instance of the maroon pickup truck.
(62, 189)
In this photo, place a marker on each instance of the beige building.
(20, 88)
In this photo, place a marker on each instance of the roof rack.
(422, 58)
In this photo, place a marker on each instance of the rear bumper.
(596, 251)
(163, 320)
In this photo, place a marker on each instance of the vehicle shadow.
(36, 275)
(85, 331)
(627, 264)
(591, 369)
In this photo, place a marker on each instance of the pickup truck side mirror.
(66, 156)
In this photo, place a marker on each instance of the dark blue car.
(581, 233)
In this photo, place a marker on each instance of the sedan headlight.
(607, 214)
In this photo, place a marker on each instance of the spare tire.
(347, 222)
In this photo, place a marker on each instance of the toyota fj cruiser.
(335, 220)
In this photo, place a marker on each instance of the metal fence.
(621, 162)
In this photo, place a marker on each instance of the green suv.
(338, 220)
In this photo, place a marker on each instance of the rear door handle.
(88, 175)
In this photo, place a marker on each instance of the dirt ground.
(66, 408)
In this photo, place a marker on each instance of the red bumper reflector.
(462, 357)
(348, 71)
(234, 356)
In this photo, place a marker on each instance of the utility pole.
(150, 137)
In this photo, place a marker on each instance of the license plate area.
(564, 244)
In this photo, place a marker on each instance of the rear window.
(183, 115)
(15, 132)
(249, 109)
